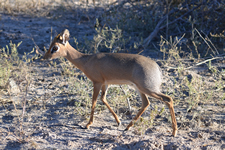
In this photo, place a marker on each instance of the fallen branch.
(200, 63)
(157, 28)
(205, 61)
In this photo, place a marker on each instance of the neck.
(75, 57)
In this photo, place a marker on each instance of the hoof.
(174, 133)
(119, 124)
(82, 127)
(125, 129)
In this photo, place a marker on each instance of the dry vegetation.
(186, 37)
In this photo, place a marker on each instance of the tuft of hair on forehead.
(57, 36)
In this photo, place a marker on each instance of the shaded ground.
(53, 117)
(53, 121)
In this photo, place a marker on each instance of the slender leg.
(145, 104)
(169, 102)
(97, 87)
(103, 98)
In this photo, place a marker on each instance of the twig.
(205, 61)
(38, 51)
(206, 42)
(211, 43)
(25, 98)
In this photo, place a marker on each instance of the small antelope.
(114, 68)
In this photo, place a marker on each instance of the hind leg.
(169, 102)
(145, 104)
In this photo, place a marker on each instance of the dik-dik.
(104, 69)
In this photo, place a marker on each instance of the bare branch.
(158, 28)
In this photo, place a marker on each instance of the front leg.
(97, 87)
(103, 98)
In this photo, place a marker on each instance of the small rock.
(200, 135)
(171, 70)
(223, 76)
(208, 74)
(14, 88)
(189, 77)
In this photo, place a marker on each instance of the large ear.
(64, 36)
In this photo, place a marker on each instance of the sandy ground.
(52, 121)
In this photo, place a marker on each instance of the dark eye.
(54, 49)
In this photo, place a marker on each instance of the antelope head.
(58, 46)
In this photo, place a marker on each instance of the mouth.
(46, 57)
